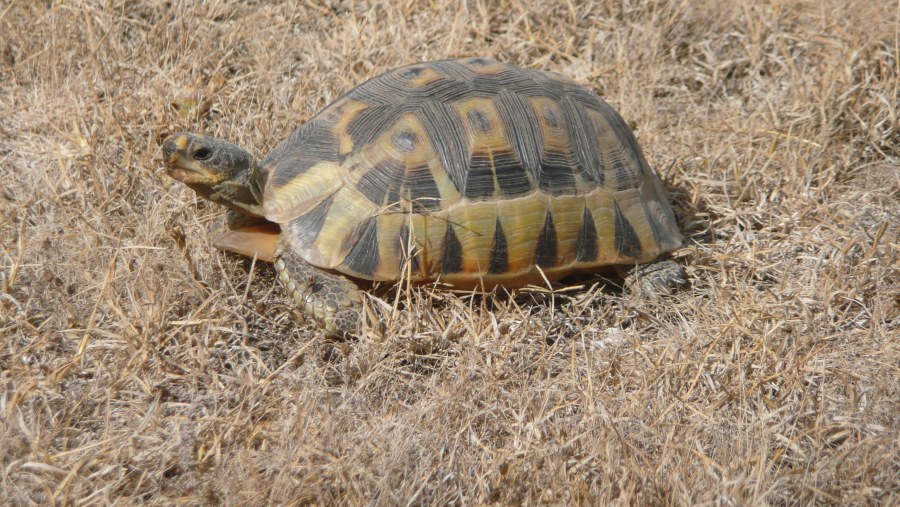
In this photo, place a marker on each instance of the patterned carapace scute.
(469, 171)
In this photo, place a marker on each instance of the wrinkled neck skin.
(242, 194)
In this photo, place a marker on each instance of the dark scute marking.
(382, 179)
(369, 123)
(586, 248)
(520, 121)
(499, 251)
(305, 228)
(480, 178)
(363, 256)
(422, 189)
(452, 260)
(583, 139)
(444, 129)
(478, 121)
(405, 141)
(411, 72)
(552, 118)
(480, 61)
(627, 242)
(545, 255)
(512, 178)
(408, 251)
(625, 162)
(557, 176)
(393, 196)
(625, 177)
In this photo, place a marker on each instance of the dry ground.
(141, 366)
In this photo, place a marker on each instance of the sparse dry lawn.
(139, 365)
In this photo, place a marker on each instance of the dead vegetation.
(138, 365)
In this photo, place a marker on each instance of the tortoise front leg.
(245, 235)
(333, 301)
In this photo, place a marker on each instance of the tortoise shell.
(471, 172)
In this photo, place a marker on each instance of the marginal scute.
(473, 227)
(471, 171)
(586, 244)
(628, 244)
(452, 258)
(348, 210)
(362, 249)
(307, 226)
(545, 254)
(409, 250)
(499, 251)
(522, 220)
(658, 210)
(284, 201)
(568, 214)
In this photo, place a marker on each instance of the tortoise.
(469, 172)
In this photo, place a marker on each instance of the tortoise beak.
(181, 165)
(173, 147)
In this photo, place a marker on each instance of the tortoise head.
(217, 170)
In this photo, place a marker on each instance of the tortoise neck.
(249, 199)
(242, 193)
(255, 184)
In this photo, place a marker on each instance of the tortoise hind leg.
(333, 301)
(658, 277)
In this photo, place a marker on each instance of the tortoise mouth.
(191, 172)
(186, 175)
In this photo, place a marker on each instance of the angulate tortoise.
(470, 172)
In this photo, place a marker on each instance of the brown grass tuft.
(138, 365)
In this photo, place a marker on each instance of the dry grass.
(141, 366)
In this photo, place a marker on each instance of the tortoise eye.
(202, 154)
